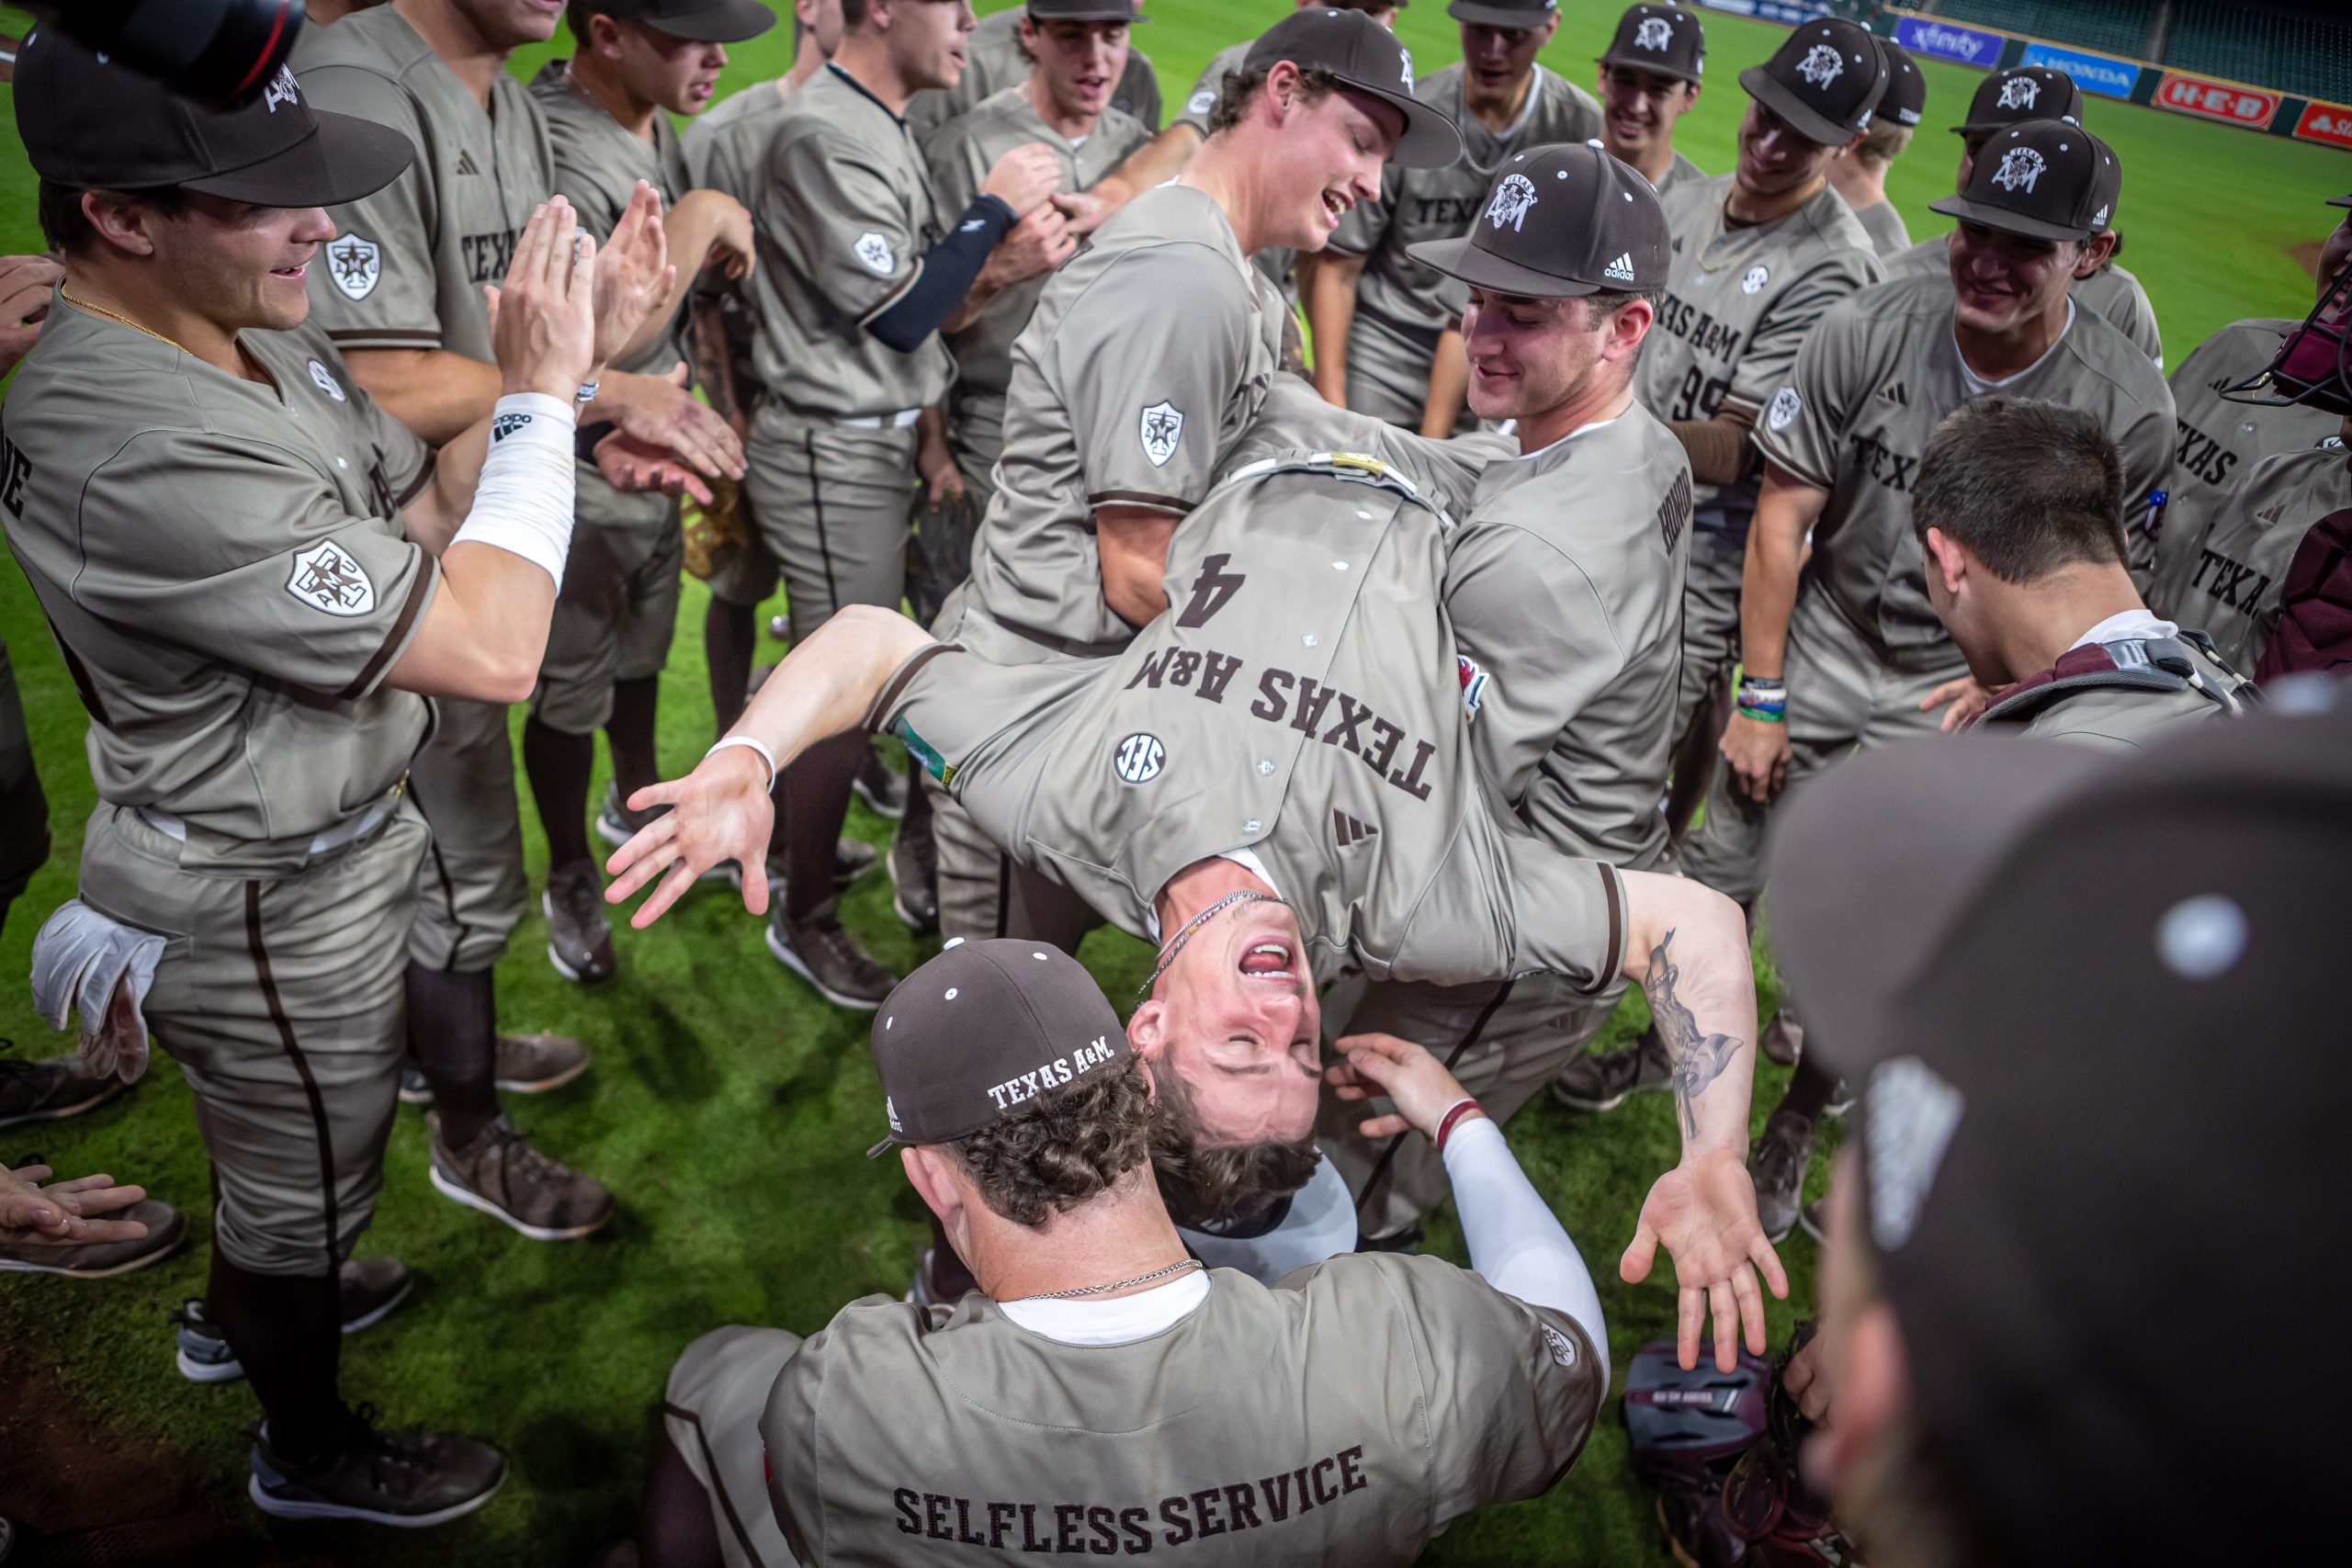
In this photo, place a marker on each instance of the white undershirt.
(2143, 624)
(1123, 1320)
(1563, 441)
(1977, 386)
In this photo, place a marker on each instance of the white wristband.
(523, 501)
(748, 744)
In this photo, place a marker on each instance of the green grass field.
(729, 1108)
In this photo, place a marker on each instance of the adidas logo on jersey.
(1622, 269)
(466, 163)
(1894, 393)
(1350, 831)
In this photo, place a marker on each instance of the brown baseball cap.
(1366, 58)
(1665, 40)
(89, 123)
(1560, 221)
(1127, 11)
(1521, 15)
(2041, 179)
(983, 1029)
(2022, 92)
(1906, 90)
(2093, 1003)
(700, 21)
(1825, 79)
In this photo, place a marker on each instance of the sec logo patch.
(1139, 758)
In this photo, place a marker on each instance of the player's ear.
(1946, 559)
(2095, 252)
(930, 1172)
(1147, 1029)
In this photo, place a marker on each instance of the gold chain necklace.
(126, 321)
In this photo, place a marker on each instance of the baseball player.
(860, 267)
(1058, 1410)
(1144, 365)
(726, 146)
(399, 293)
(2036, 92)
(608, 110)
(258, 578)
(1860, 172)
(1760, 254)
(2223, 438)
(1208, 789)
(1064, 105)
(1376, 313)
(2223, 573)
(1563, 585)
(996, 57)
(2018, 509)
(1650, 78)
(1846, 649)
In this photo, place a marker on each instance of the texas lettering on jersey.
(488, 256)
(1102, 1530)
(2203, 456)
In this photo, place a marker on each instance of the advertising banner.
(2231, 105)
(2330, 123)
(1964, 46)
(2098, 73)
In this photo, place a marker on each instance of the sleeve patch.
(355, 264)
(326, 578)
(873, 251)
(1160, 428)
(1784, 411)
(1563, 1349)
(1474, 683)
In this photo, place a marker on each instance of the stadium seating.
(2115, 26)
(2304, 54)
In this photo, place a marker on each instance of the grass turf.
(728, 1108)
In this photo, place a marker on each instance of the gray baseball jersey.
(1885, 225)
(1565, 587)
(1681, 172)
(961, 153)
(1147, 357)
(2099, 712)
(2221, 441)
(1347, 1415)
(407, 265)
(1301, 697)
(1438, 204)
(597, 165)
(1741, 300)
(2113, 292)
(1879, 373)
(844, 217)
(992, 62)
(223, 566)
(1276, 261)
(2222, 575)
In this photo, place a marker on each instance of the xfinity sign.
(1966, 45)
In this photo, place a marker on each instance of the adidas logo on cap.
(1622, 269)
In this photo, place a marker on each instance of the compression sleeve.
(1516, 1243)
(523, 501)
(948, 269)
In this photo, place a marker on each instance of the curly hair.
(1070, 1145)
(1240, 87)
(1206, 1185)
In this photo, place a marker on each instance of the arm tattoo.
(1696, 1059)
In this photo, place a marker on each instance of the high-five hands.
(1703, 1213)
(720, 812)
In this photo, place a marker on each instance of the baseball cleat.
(1778, 1166)
(1814, 1219)
(1782, 1038)
(408, 1481)
(501, 1174)
(48, 1089)
(166, 1228)
(580, 940)
(821, 952)
(534, 1063)
(914, 867)
(370, 1288)
(1595, 1082)
(415, 1088)
(884, 792)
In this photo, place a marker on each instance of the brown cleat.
(501, 1174)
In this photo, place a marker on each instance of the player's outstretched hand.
(633, 273)
(542, 323)
(1961, 699)
(65, 1214)
(1415, 1083)
(718, 813)
(25, 283)
(637, 467)
(1703, 1213)
(1023, 177)
(660, 412)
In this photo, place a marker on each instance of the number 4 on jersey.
(1211, 591)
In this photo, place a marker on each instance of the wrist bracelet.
(1762, 715)
(587, 393)
(1453, 1113)
(748, 744)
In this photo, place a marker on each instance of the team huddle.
(1415, 683)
